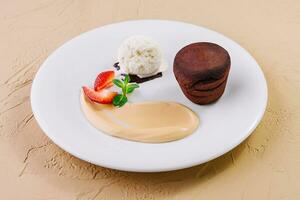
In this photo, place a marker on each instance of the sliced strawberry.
(104, 96)
(103, 80)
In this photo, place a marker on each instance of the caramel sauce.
(152, 121)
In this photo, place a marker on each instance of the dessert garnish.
(103, 96)
(104, 80)
(102, 92)
(126, 88)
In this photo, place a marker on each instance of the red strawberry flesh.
(104, 80)
(104, 96)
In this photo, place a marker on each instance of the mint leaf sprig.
(127, 88)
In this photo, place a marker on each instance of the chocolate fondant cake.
(201, 70)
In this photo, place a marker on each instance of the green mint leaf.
(130, 88)
(117, 99)
(118, 83)
(123, 101)
(135, 85)
(127, 79)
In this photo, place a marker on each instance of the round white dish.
(55, 98)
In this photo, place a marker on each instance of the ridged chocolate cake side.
(201, 70)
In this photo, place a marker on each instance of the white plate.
(224, 124)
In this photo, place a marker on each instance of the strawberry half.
(104, 80)
(104, 96)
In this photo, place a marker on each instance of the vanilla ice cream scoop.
(141, 56)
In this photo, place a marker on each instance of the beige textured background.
(265, 166)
